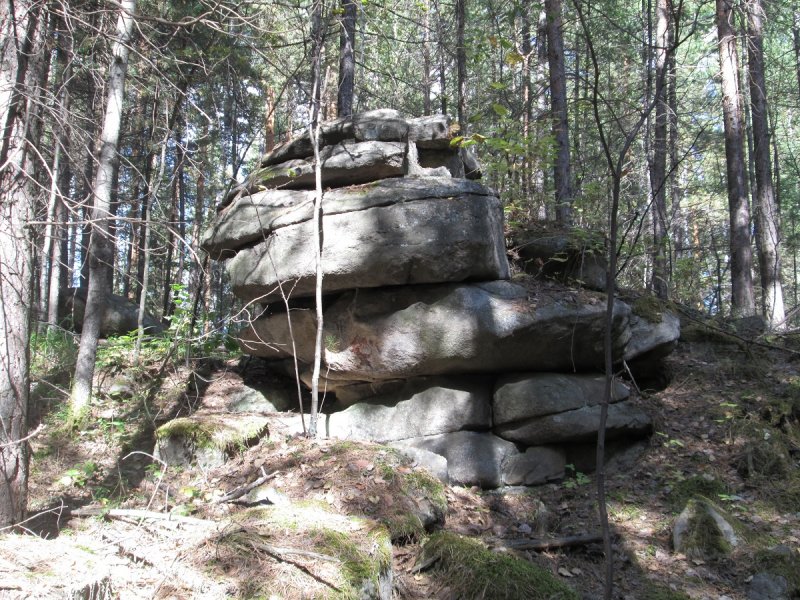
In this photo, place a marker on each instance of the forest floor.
(726, 426)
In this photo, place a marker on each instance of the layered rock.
(428, 344)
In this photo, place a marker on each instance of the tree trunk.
(741, 261)
(767, 218)
(426, 58)
(658, 167)
(18, 31)
(101, 259)
(558, 103)
(461, 64)
(314, 127)
(347, 59)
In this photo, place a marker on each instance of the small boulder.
(703, 531)
(207, 440)
(121, 315)
(767, 586)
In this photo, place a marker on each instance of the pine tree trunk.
(461, 64)
(18, 31)
(101, 259)
(347, 59)
(658, 167)
(741, 261)
(558, 102)
(767, 218)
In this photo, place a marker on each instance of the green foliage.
(684, 490)
(79, 475)
(53, 352)
(359, 567)
(575, 478)
(179, 339)
(472, 572)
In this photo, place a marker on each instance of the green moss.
(658, 592)
(704, 540)
(649, 308)
(472, 571)
(226, 434)
(423, 481)
(686, 489)
(360, 567)
(786, 564)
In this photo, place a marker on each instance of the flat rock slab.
(473, 458)
(580, 425)
(250, 219)
(345, 163)
(434, 131)
(524, 396)
(422, 407)
(654, 335)
(396, 333)
(436, 240)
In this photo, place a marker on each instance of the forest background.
(124, 124)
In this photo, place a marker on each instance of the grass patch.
(473, 572)
(686, 489)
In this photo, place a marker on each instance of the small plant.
(154, 470)
(79, 475)
(575, 478)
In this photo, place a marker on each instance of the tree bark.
(558, 102)
(767, 218)
(658, 167)
(741, 261)
(18, 24)
(347, 59)
(461, 65)
(101, 259)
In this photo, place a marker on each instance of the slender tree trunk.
(658, 167)
(18, 24)
(347, 59)
(461, 64)
(767, 218)
(741, 261)
(316, 82)
(562, 175)
(100, 257)
(49, 270)
(427, 106)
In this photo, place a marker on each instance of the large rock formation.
(428, 343)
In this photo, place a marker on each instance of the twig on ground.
(240, 491)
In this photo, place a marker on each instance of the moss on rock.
(470, 570)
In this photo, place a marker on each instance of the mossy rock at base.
(330, 555)
(704, 531)
(783, 561)
(470, 571)
(208, 440)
